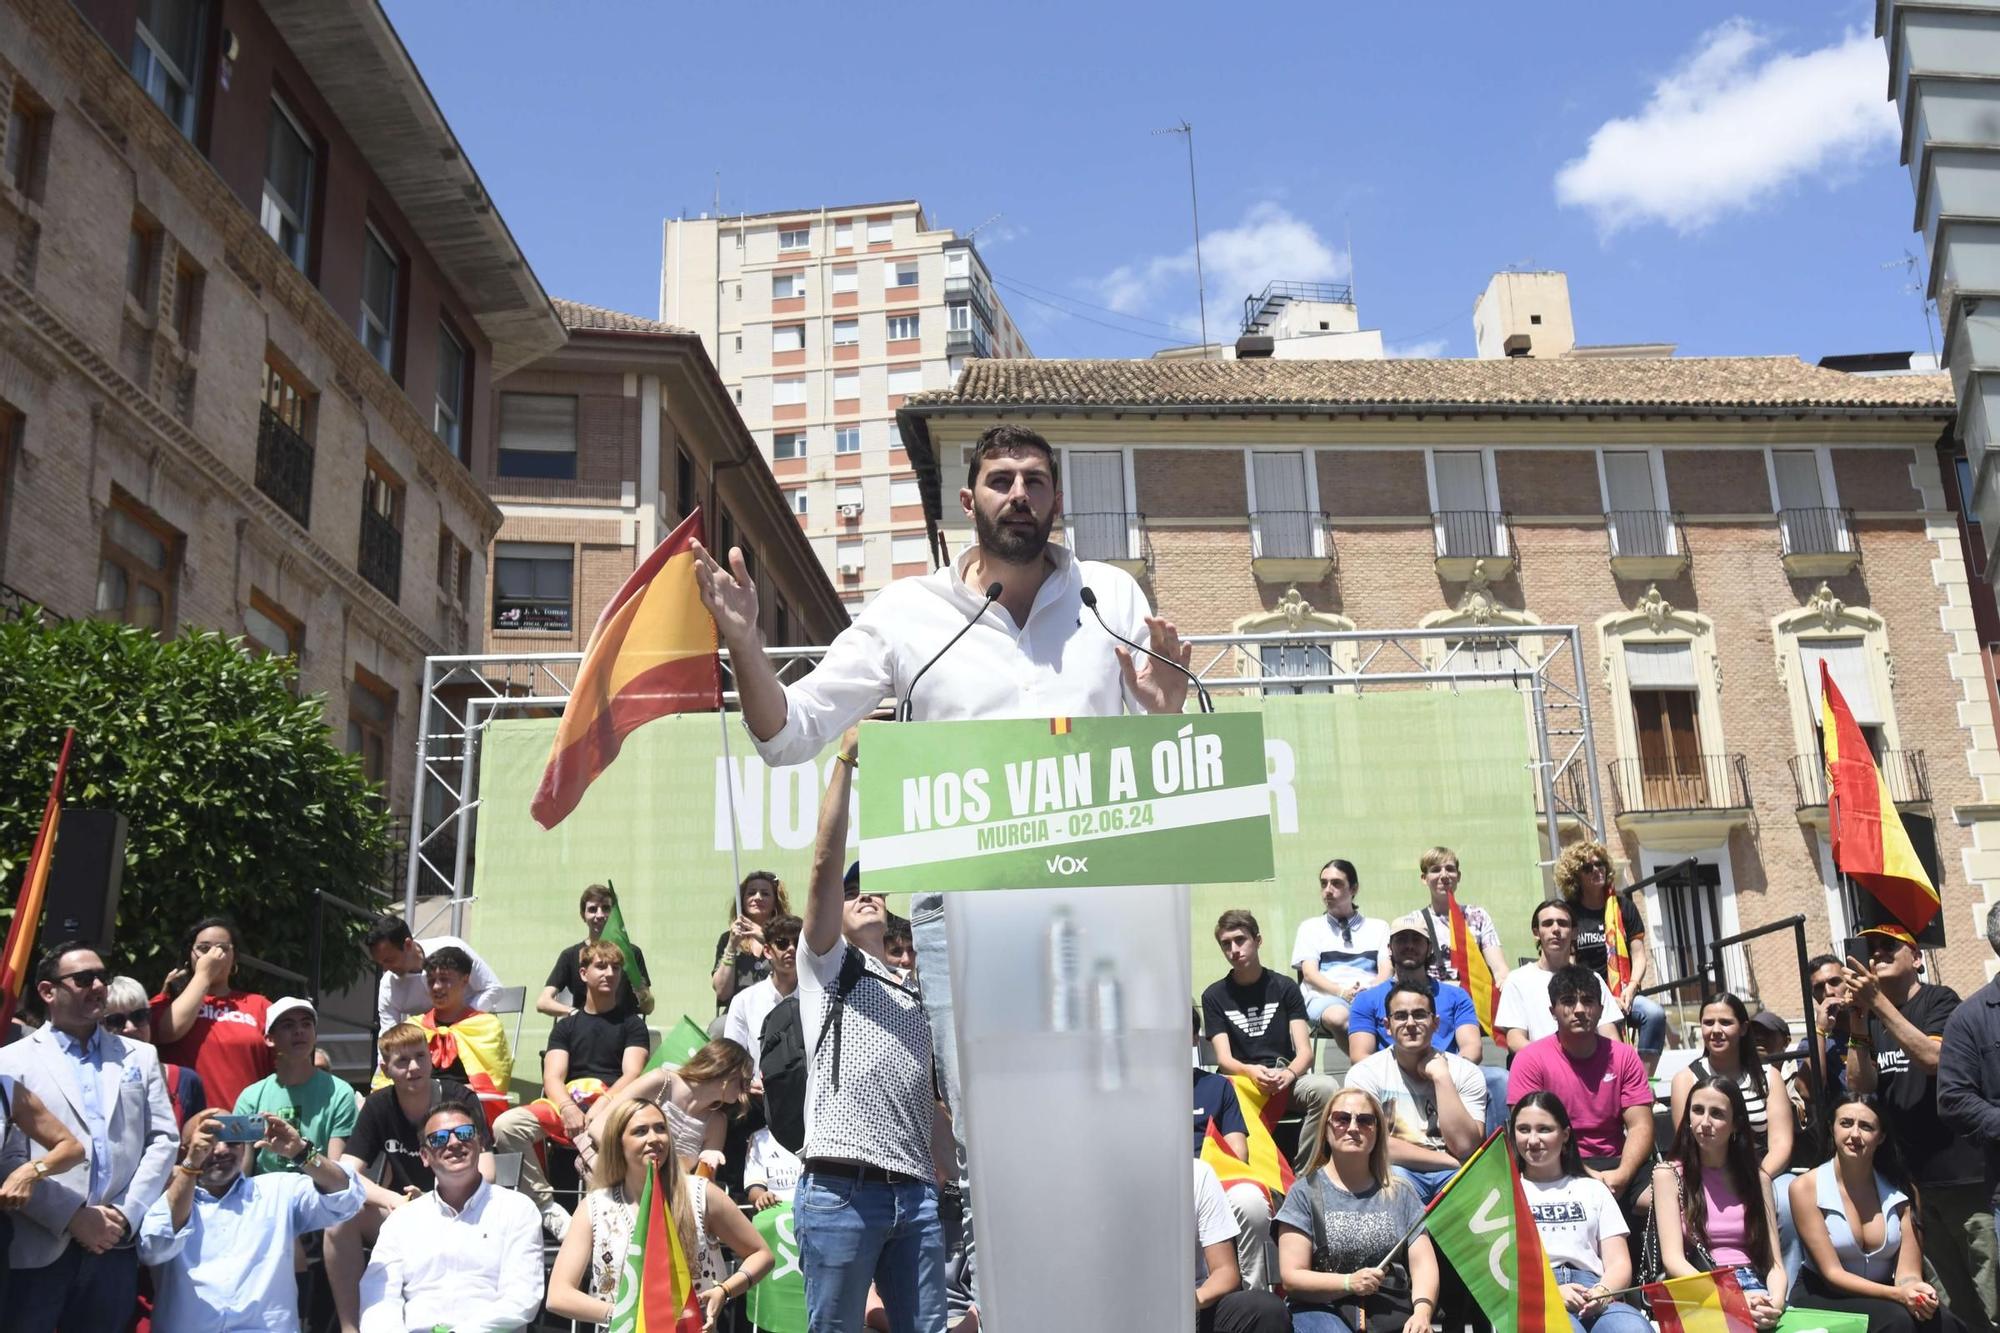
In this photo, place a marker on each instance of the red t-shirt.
(225, 1045)
(1595, 1092)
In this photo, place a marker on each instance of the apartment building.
(604, 444)
(822, 321)
(255, 299)
(1716, 527)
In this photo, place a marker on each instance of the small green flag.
(614, 931)
(778, 1303)
(678, 1045)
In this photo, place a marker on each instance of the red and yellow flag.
(1266, 1165)
(1480, 1219)
(1473, 972)
(652, 653)
(19, 959)
(656, 1286)
(1870, 845)
(1617, 946)
(1704, 1303)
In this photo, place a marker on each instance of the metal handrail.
(1817, 532)
(1907, 772)
(284, 465)
(1256, 309)
(1695, 782)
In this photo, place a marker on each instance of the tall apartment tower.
(821, 322)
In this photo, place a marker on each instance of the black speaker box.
(84, 879)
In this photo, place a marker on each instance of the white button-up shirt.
(1060, 663)
(477, 1269)
(401, 997)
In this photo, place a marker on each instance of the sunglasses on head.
(1354, 1119)
(438, 1138)
(134, 1018)
(85, 978)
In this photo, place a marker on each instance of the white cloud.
(1731, 126)
(1270, 244)
(1428, 349)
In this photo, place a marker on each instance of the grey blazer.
(144, 1142)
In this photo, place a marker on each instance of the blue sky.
(1724, 177)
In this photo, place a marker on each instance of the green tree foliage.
(236, 798)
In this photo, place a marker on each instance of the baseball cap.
(279, 1008)
(1764, 1018)
(853, 875)
(1411, 923)
(1896, 933)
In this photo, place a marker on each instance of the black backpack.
(784, 1061)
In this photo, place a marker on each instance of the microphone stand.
(905, 710)
(1200, 690)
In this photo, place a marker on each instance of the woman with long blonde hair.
(635, 1139)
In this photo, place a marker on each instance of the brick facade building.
(1714, 526)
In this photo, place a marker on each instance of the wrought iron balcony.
(1818, 542)
(1466, 537)
(966, 342)
(1291, 545)
(1696, 784)
(284, 465)
(381, 561)
(1906, 772)
(1646, 543)
(1115, 538)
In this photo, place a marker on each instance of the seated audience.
(1216, 1107)
(1222, 1303)
(1410, 951)
(562, 994)
(1438, 868)
(1584, 880)
(318, 1105)
(387, 1141)
(1338, 1223)
(739, 952)
(1863, 1251)
(753, 1004)
(1582, 1230)
(771, 1171)
(1340, 952)
(698, 1099)
(202, 1020)
(404, 991)
(1523, 1014)
(468, 1045)
(1256, 1020)
(1435, 1101)
(595, 1052)
(1828, 980)
(1729, 1052)
(463, 1256)
(220, 1242)
(636, 1140)
(129, 1014)
(1600, 1082)
(1712, 1204)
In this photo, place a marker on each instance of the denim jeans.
(1651, 1021)
(1425, 1183)
(1617, 1317)
(1496, 1095)
(79, 1290)
(1319, 1321)
(853, 1232)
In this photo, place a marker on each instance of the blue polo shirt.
(1454, 1009)
(1215, 1099)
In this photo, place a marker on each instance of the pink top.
(1595, 1091)
(1728, 1223)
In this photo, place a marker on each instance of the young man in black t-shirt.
(566, 977)
(600, 1042)
(1895, 1024)
(1256, 1020)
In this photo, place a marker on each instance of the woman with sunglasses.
(200, 1018)
(698, 1100)
(1582, 1230)
(129, 1014)
(1338, 1224)
(1855, 1218)
(739, 951)
(636, 1141)
(1725, 1216)
(1584, 880)
(1729, 1051)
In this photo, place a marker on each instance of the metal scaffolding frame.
(1545, 663)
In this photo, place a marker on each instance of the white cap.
(279, 1008)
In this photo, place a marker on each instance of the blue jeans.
(854, 1232)
(1318, 1321)
(1496, 1095)
(1651, 1021)
(79, 1290)
(1425, 1183)
(1617, 1317)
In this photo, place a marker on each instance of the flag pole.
(729, 794)
(34, 885)
(1423, 1217)
(1665, 1281)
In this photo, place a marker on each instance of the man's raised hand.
(1159, 689)
(729, 594)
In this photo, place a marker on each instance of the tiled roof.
(1722, 383)
(580, 318)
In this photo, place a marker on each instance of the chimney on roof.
(1255, 347)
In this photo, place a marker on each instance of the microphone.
(906, 709)
(1200, 690)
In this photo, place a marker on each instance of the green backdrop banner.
(1373, 778)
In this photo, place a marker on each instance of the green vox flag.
(614, 930)
(678, 1044)
(1481, 1222)
(1065, 802)
(778, 1303)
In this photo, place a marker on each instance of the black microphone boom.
(906, 709)
(1200, 690)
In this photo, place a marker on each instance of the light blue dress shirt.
(229, 1269)
(97, 1081)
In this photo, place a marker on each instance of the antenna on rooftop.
(989, 222)
(1913, 285)
(1186, 130)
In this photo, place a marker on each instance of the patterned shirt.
(882, 1113)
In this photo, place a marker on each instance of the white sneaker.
(555, 1221)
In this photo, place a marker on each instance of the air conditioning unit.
(850, 512)
(850, 571)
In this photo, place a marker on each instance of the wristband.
(187, 1170)
(1423, 1300)
(851, 760)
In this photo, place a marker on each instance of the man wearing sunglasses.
(72, 1261)
(465, 1255)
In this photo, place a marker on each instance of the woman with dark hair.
(201, 1019)
(1582, 1230)
(740, 960)
(1726, 1218)
(1729, 1051)
(1856, 1217)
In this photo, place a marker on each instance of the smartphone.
(240, 1128)
(1856, 948)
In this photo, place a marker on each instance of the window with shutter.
(1282, 526)
(538, 436)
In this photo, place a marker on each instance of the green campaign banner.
(1035, 803)
(778, 1303)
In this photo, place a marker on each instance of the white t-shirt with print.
(1574, 1215)
(1410, 1101)
(1350, 950)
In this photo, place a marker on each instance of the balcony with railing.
(1646, 543)
(1291, 545)
(284, 465)
(967, 342)
(1818, 543)
(1906, 772)
(381, 561)
(1692, 800)
(1466, 537)
(1112, 538)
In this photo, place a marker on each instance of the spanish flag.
(19, 959)
(1266, 1166)
(1704, 1303)
(1870, 845)
(1473, 973)
(652, 653)
(1480, 1219)
(655, 1286)
(1617, 944)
